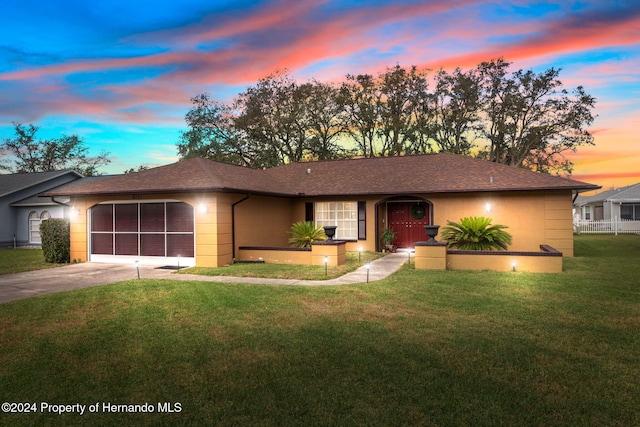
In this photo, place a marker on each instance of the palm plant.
(303, 233)
(477, 234)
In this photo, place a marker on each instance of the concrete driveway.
(73, 276)
(76, 276)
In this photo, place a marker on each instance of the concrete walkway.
(75, 276)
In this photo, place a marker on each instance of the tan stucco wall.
(533, 218)
(530, 264)
(436, 257)
(212, 227)
(263, 221)
(335, 255)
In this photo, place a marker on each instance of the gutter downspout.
(53, 199)
(233, 225)
(66, 205)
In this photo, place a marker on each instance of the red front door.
(407, 220)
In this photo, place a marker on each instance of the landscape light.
(513, 266)
(326, 261)
(137, 264)
(368, 267)
(359, 253)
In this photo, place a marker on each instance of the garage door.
(154, 232)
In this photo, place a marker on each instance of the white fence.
(622, 226)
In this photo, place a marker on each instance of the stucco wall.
(212, 224)
(533, 218)
(264, 221)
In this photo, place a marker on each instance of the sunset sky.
(120, 74)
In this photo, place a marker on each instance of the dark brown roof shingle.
(431, 173)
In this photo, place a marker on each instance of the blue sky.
(120, 73)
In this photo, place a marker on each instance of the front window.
(35, 220)
(587, 212)
(344, 215)
(631, 212)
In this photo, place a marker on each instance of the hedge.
(55, 240)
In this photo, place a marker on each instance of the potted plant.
(388, 236)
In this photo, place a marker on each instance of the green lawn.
(288, 271)
(22, 259)
(446, 348)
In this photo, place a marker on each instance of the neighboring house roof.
(39, 200)
(431, 173)
(628, 194)
(12, 183)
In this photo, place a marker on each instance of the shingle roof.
(630, 193)
(39, 200)
(431, 173)
(191, 175)
(19, 181)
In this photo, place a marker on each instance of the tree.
(388, 115)
(458, 103)
(531, 121)
(522, 119)
(211, 133)
(138, 169)
(272, 116)
(65, 152)
(403, 98)
(326, 119)
(361, 103)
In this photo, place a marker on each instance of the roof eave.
(169, 191)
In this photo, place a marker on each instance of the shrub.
(477, 234)
(303, 233)
(55, 240)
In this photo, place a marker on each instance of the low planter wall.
(334, 251)
(435, 256)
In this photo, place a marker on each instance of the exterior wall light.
(487, 207)
(202, 208)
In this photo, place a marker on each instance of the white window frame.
(342, 214)
(35, 220)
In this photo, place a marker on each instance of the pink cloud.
(559, 37)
